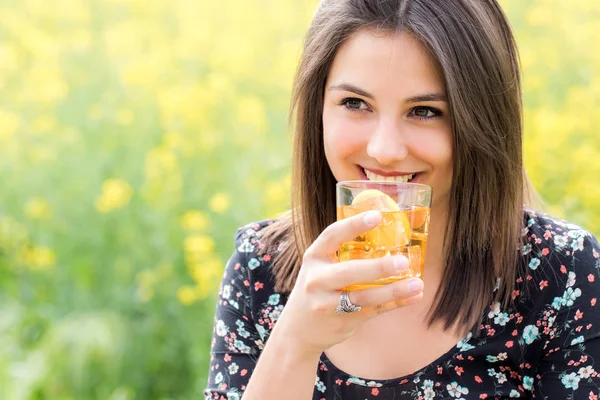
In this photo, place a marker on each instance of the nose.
(387, 143)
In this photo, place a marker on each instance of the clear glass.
(405, 208)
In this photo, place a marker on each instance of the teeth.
(374, 177)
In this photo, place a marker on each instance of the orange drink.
(405, 208)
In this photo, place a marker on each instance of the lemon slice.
(382, 199)
(395, 227)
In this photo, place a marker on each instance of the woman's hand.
(309, 320)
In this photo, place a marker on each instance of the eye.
(422, 112)
(354, 104)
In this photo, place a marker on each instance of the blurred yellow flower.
(160, 161)
(186, 295)
(9, 124)
(116, 194)
(220, 202)
(94, 111)
(39, 258)
(195, 221)
(37, 209)
(198, 244)
(45, 83)
(163, 184)
(10, 57)
(276, 192)
(147, 279)
(207, 270)
(540, 15)
(12, 234)
(251, 111)
(44, 123)
(208, 141)
(172, 140)
(124, 117)
(139, 74)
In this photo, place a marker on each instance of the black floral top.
(544, 347)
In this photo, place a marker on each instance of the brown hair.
(475, 49)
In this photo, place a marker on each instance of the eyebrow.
(415, 99)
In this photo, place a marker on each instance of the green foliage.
(135, 136)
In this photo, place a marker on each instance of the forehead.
(377, 61)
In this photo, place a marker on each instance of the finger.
(341, 275)
(332, 238)
(395, 293)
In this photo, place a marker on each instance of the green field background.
(136, 135)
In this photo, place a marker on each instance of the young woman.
(429, 91)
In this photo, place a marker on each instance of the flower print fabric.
(544, 346)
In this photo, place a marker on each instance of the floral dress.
(545, 346)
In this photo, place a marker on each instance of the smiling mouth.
(397, 178)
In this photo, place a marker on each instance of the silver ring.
(346, 306)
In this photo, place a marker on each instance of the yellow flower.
(195, 221)
(540, 15)
(277, 192)
(44, 124)
(207, 270)
(145, 278)
(163, 177)
(160, 161)
(124, 117)
(10, 58)
(148, 279)
(198, 244)
(37, 209)
(116, 194)
(95, 112)
(172, 140)
(186, 295)
(208, 141)
(139, 73)
(39, 258)
(45, 83)
(220, 202)
(9, 123)
(250, 112)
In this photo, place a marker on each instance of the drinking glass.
(405, 208)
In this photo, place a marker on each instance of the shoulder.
(256, 248)
(252, 265)
(561, 260)
(247, 237)
(251, 255)
(561, 265)
(556, 239)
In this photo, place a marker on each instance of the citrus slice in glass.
(394, 229)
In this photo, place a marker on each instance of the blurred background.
(136, 135)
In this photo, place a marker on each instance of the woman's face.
(385, 114)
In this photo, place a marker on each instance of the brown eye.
(424, 112)
(354, 104)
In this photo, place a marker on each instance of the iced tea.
(403, 230)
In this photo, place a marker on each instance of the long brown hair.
(475, 49)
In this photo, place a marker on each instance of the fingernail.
(372, 217)
(400, 263)
(415, 286)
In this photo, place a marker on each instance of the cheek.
(342, 137)
(435, 147)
